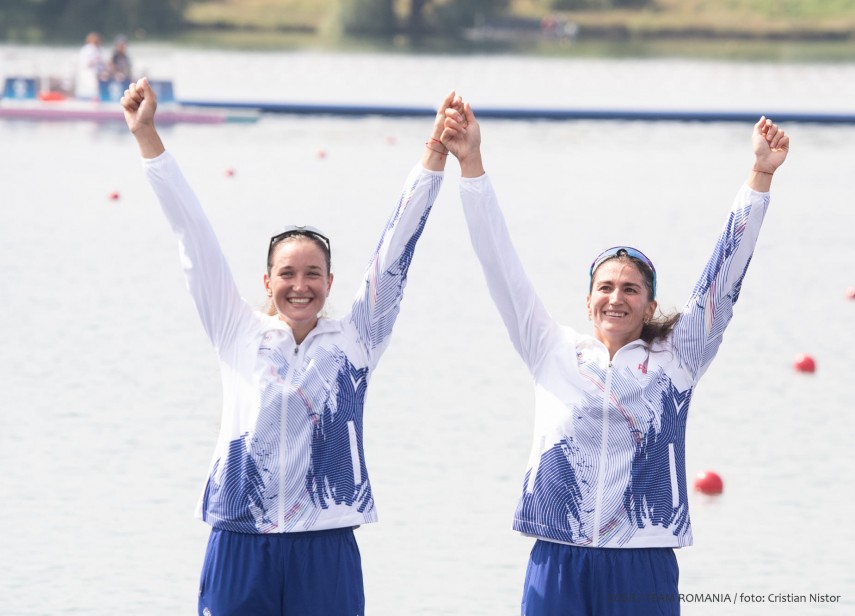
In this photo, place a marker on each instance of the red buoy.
(804, 363)
(114, 196)
(850, 292)
(230, 172)
(708, 482)
(322, 154)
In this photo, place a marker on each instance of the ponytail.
(659, 327)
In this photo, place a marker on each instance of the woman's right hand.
(139, 104)
(451, 101)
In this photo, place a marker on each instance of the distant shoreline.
(581, 31)
(527, 36)
(579, 40)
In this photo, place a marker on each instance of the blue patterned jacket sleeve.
(379, 297)
(699, 332)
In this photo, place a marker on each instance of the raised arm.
(221, 309)
(698, 334)
(139, 104)
(531, 328)
(771, 147)
(377, 303)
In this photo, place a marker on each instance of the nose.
(299, 283)
(615, 296)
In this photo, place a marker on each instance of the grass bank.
(782, 29)
(722, 18)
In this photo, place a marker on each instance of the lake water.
(110, 391)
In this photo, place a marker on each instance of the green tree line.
(40, 20)
(414, 17)
(52, 19)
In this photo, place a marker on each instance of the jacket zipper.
(283, 415)
(598, 506)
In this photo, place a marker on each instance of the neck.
(300, 330)
(614, 345)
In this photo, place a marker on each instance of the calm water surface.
(111, 392)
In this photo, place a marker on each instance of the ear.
(588, 306)
(329, 283)
(267, 288)
(650, 310)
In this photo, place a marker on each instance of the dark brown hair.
(659, 327)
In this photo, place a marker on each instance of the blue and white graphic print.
(607, 465)
(336, 468)
(290, 456)
(303, 458)
(638, 443)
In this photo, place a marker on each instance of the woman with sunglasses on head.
(288, 481)
(605, 492)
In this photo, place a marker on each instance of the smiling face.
(298, 283)
(619, 303)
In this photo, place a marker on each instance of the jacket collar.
(632, 353)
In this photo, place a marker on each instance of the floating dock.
(533, 113)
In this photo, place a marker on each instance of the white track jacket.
(289, 456)
(607, 464)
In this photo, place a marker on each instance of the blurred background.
(761, 28)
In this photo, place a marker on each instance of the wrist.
(148, 141)
(760, 179)
(761, 167)
(435, 155)
(436, 145)
(143, 129)
(471, 166)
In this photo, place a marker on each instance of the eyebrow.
(309, 267)
(613, 283)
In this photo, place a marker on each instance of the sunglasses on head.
(617, 251)
(306, 230)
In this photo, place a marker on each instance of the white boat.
(24, 99)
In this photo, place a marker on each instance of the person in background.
(605, 495)
(90, 68)
(119, 68)
(288, 482)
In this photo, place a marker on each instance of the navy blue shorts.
(316, 573)
(565, 580)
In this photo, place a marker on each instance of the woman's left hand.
(771, 146)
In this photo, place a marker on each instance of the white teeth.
(615, 314)
(299, 300)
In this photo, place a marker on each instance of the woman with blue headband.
(605, 492)
(288, 483)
